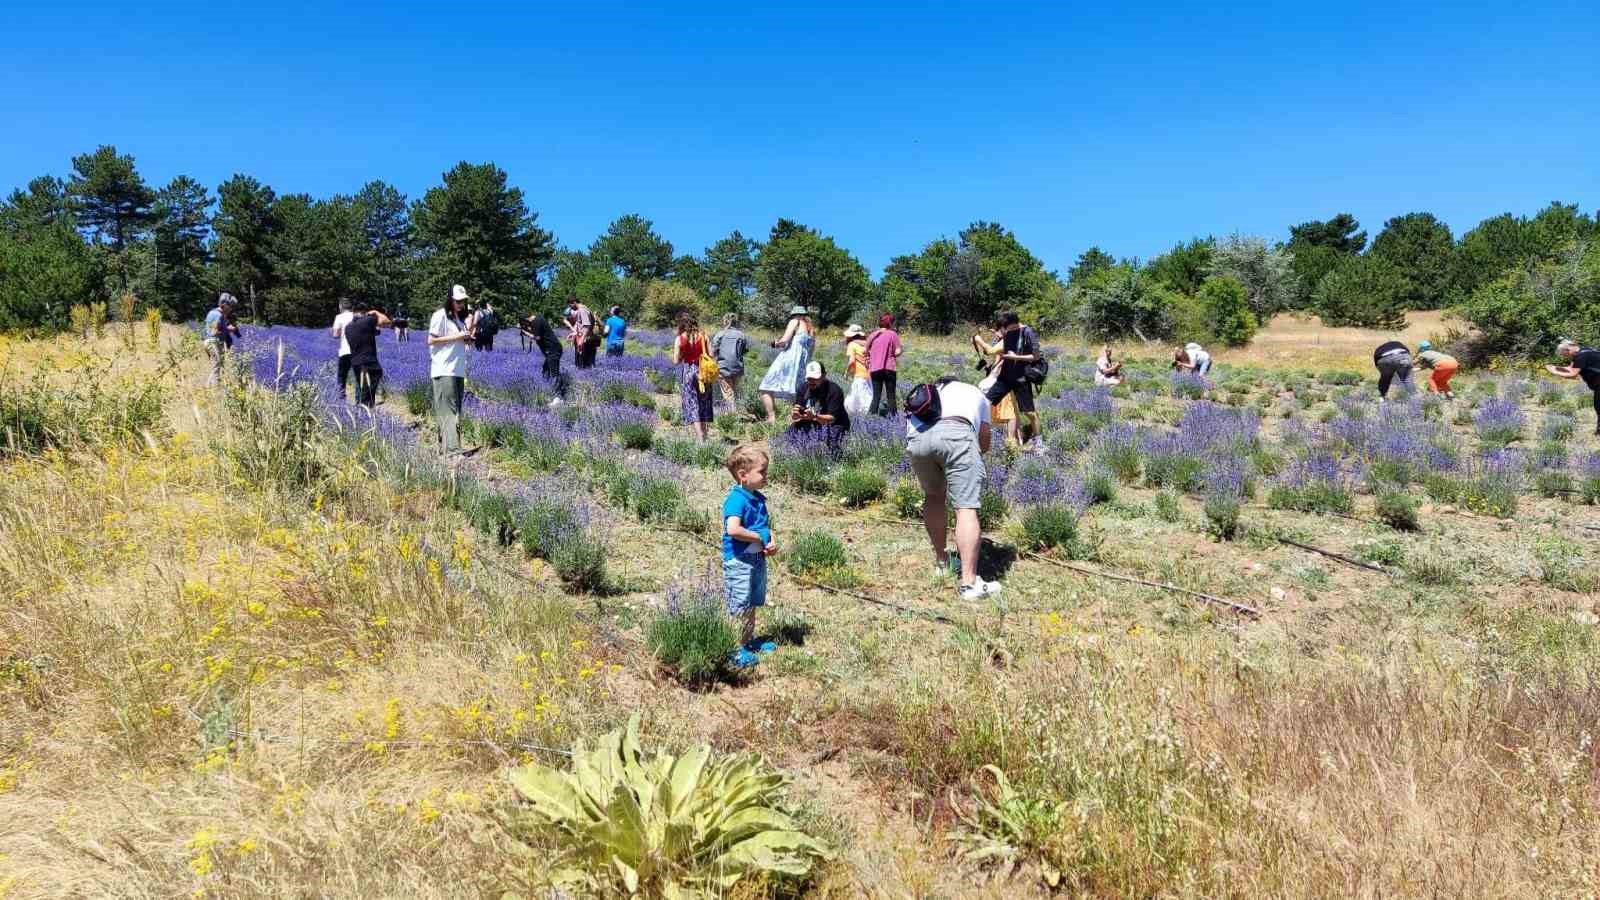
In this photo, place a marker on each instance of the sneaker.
(743, 659)
(761, 647)
(979, 589)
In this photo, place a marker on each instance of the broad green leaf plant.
(668, 826)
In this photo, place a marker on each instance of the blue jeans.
(744, 580)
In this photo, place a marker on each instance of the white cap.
(813, 369)
(458, 293)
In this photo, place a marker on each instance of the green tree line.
(102, 232)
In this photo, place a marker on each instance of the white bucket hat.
(458, 293)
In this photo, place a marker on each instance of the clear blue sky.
(1129, 128)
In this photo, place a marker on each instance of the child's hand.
(771, 548)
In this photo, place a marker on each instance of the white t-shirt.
(339, 322)
(450, 358)
(957, 399)
(1200, 358)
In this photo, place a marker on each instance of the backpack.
(709, 371)
(488, 323)
(922, 404)
(1037, 371)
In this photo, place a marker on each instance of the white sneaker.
(979, 589)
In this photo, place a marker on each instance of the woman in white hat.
(788, 371)
(858, 399)
(448, 337)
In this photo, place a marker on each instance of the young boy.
(746, 544)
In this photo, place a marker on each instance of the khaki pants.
(447, 391)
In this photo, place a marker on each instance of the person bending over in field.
(746, 544)
(947, 433)
(1393, 360)
(1444, 368)
(1192, 358)
(1582, 362)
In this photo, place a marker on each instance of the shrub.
(813, 553)
(655, 499)
(1551, 483)
(859, 485)
(1589, 478)
(635, 435)
(992, 507)
(1495, 485)
(1362, 292)
(1167, 507)
(664, 301)
(906, 499)
(1227, 310)
(1557, 427)
(1432, 565)
(663, 826)
(1049, 525)
(693, 636)
(1498, 422)
(1442, 487)
(1341, 377)
(1222, 515)
(419, 398)
(1562, 564)
(1116, 448)
(488, 510)
(94, 411)
(1397, 509)
(1100, 486)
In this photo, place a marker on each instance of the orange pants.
(1440, 382)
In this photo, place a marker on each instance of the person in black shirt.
(1584, 362)
(538, 333)
(1018, 347)
(362, 334)
(820, 404)
(1393, 360)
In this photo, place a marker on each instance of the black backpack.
(1037, 371)
(922, 403)
(488, 323)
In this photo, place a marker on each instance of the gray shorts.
(948, 464)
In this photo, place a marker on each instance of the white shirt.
(339, 322)
(957, 399)
(448, 359)
(1199, 358)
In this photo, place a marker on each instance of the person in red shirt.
(686, 352)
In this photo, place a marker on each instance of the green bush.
(809, 473)
(906, 499)
(813, 553)
(694, 641)
(1222, 516)
(1362, 292)
(1227, 311)
(1100, 486)
(95, 410)
(1397, 509)
(1551, 483)
(859, 485)
(655, 499)
(635, 435)
(1563, 564)
(1167, 508)
(419, 398)
(1049, 525)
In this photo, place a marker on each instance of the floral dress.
(696, 402)
(783, 378)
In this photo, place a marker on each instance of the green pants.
(447, 390)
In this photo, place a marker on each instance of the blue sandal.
(743, 659)
(761, 647)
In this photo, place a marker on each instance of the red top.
(690, 352)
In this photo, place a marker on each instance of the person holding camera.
(362, 334)
(1021, 367)
(448, 337)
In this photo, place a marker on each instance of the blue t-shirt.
(751, 508)
(616, 331)
(214, 323)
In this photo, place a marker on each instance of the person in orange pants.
(1444, 368)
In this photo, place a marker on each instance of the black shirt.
(543, 334)
(362, 335)
(1018, 340)
(1587, 362)
(826, 399)
(1385, 349)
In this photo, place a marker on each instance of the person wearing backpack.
(486, 326)
(1022, 366)
(947, 433)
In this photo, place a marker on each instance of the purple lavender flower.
(1498, 421)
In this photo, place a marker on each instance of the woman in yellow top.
(858, 397)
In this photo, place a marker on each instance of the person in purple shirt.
(883, 353)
